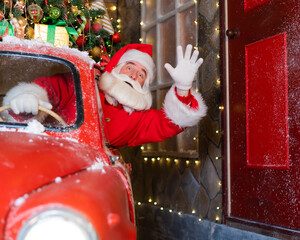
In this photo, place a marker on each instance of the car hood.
(29, 161)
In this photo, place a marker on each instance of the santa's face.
(135, 71)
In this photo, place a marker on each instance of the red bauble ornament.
(97, 27)
(35, 12)
(116, 38)
(81, 41)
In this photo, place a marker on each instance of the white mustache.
(127, 79)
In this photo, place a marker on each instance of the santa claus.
(124, 90)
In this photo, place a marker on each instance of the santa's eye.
(128, 68)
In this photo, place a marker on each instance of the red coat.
(120, 127)
(137, 128)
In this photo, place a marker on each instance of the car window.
(33, 74)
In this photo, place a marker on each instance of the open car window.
(58, 77)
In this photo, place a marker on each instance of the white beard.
(117, 89)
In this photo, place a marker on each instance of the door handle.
(233, 33)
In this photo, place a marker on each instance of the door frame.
(232, 221)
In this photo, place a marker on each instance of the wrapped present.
(56, 35)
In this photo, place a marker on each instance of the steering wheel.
(53, 114)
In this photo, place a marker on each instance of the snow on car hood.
(29, 161)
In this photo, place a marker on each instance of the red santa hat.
(138, 52)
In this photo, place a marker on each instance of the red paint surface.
(267, 103)
(250, 4)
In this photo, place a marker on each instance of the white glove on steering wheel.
(27, 103)
(186, 69)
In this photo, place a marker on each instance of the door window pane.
(151, 39)
(188, 27)
(168, 47)
(167, 6)
(150, 11)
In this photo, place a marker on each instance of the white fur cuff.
(181, 114)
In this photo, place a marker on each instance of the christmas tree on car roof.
(80, 24)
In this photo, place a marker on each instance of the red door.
(263, 104)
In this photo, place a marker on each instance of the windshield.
(33, 81)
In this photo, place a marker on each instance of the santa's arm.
(184, 111)
(177, 113)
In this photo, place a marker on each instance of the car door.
(263, 112)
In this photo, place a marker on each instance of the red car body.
(63, 168)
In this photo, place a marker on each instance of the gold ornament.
(22, 21)
(22, 2)
(30, 33)
(7, 2)
(96, 51)
(74, 9)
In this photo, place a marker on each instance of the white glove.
(28, 103)
(26, 97)
(186, 69)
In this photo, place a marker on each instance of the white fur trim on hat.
(143, 59)
(181, 114)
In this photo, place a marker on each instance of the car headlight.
(58, 224)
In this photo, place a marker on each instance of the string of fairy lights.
(181, 160)
(171, 161)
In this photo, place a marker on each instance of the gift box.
(56, 35)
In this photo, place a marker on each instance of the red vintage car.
(60, 181)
